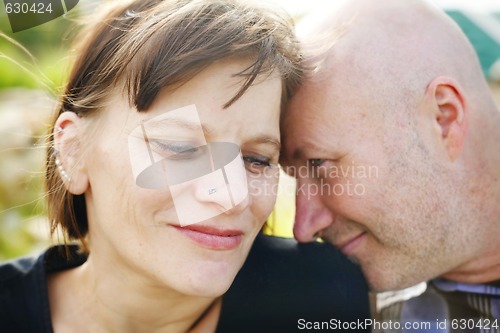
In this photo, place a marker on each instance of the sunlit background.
(34, 65)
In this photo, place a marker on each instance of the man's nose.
(311, 215)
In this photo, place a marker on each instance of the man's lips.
(348, 247)
(211, 237)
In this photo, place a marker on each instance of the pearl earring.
(59, 165)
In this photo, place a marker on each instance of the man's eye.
(175, 149)
(315, 162)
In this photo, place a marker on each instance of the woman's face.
(183, 227)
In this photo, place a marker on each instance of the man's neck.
(484, 269)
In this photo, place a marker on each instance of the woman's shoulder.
(284, 283)
(21, 297)
(24, 305)
(13, 270)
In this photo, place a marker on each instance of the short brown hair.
(148, 45)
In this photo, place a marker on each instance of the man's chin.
(389, 283)
(354, 260)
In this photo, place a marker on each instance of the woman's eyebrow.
(266, 139)
(207, 131)
(184, 123)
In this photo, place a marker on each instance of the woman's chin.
(209, 281)
(208, 288)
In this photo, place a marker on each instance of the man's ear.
(69, 153)
(449, 113)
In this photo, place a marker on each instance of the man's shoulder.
(286, 248)
(283, 282)
(290, 262)
(440, 301)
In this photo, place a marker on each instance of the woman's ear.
(69, 152)
(449, 114)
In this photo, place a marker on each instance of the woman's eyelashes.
(184, 150)
(177, 150)
(257, 164)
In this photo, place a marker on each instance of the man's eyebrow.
(300, 152)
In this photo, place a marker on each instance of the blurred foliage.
(33, 68)
(24, 117)
(47, 43)
(487, 49)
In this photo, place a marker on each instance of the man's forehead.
(307, 100)
(316, 101)
(308, 130)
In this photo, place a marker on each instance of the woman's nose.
(213, 190)
(225, 189)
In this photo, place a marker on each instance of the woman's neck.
(83, 301)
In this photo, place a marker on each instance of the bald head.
(390, 52)
(394, 43)
(396, 86)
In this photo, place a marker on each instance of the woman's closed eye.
(256, 164)
(176, 150)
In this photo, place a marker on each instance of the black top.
(282, 287)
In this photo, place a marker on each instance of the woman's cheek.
(263, 197)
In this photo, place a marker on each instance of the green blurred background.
(33, 67)
(30, 80)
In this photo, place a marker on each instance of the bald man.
(394, 139)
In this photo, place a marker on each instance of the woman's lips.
(212, 238)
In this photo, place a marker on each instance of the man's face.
(368, 183)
